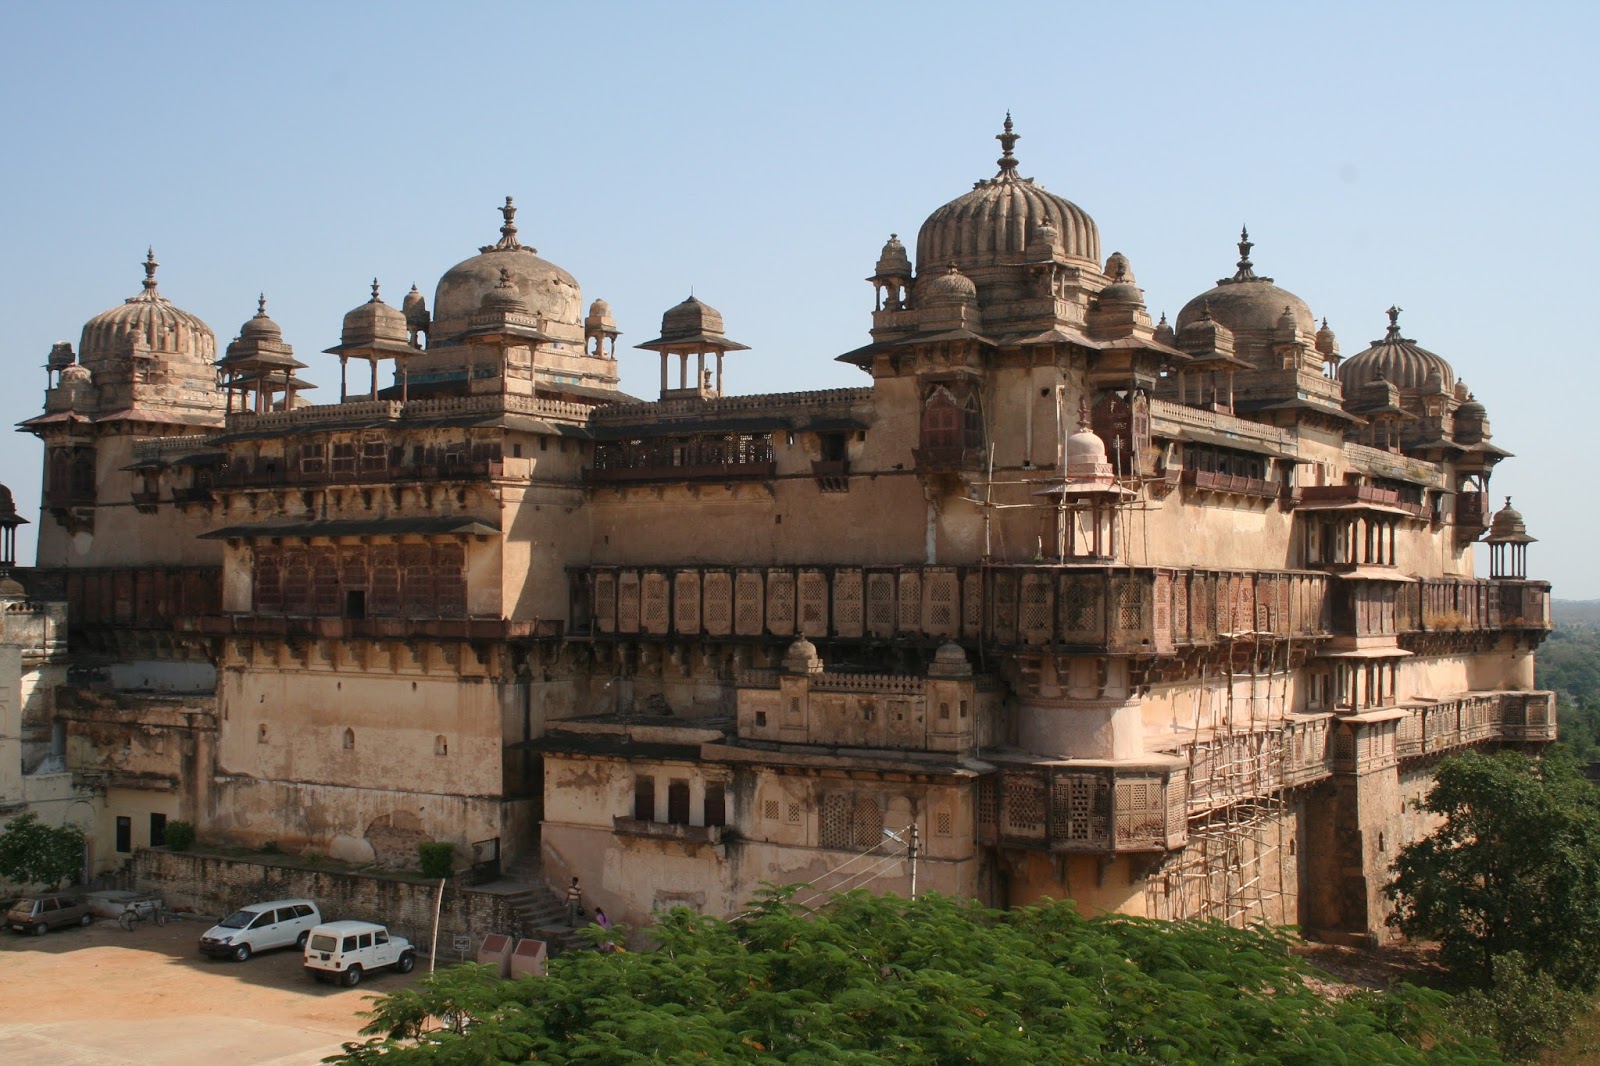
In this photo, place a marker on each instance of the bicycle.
(142, 910)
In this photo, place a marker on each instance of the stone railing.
(1446, 605)
(1376, 462)
(153, 448)
(1177, 414)
(395, 410)
(762, 403)
(1157, 610)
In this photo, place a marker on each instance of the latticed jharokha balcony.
(1137, 609)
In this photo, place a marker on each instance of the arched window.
(942, 422)
(349, 740)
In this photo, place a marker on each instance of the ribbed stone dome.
(545, 288)
(149, 319)
(1247, 303)
(991, 224)
(1399, 361)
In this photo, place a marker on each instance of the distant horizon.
(1427, 158)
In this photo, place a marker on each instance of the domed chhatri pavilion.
(1172, 619)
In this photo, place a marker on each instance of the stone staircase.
(539, 912)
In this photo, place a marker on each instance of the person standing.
(574, 903)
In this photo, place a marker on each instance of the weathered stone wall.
(216, 885)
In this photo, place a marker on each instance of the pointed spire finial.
(261, 305)
(1246, 268)
(150, 265)
(1008, 141)
(375, 292)
(508, 231)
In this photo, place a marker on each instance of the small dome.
(802, 658)
(599, 309)
(1122, 292)
(1164, 333)
(148, 319)
(950, 661)
(991, 224)
(260, 327)
(1472, 408)
(950, 287)
(1326, 342)
(1204, 333)
(1086, 455)
(1247, 303)
(373, 321)
(504, 297)
(546, 289)
(76, 374)
(893, 260)
(1508, 526)
(413, 301)
(8, 508)
(1399, 360)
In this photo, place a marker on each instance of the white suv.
(347, 950)
(276, 924)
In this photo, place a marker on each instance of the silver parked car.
(279, 923)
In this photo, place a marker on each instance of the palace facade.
(1167, 618)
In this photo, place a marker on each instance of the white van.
(347, 950)
(275, 924)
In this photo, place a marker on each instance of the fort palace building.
(1168, 618)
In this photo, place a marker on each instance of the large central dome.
(990, 225)
(549, 292)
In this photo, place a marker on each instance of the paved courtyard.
(104, 997)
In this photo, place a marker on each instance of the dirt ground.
(105, 997)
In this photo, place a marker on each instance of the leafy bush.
(878, 979)
(438, 857)
(32, 853)
(1524, 1011)
(180, 836)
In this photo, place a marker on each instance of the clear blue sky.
(1437, 156)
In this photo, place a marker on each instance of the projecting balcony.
(1314, 496)
(947, 460)
(833, 475)
(685, 834)
(1026, 607)
(319, 474)
(1467, 605)
(1085, 809)
(1234, 484)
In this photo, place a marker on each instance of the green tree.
(32, 853)
(1514, 867)
(932, 980)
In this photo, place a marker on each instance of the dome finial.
(1083, 414)
(1394, 323)
(1246, 271)
(150, 265)
(375, 299)
(508, 232)
(1008, 140)
(261, 305)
